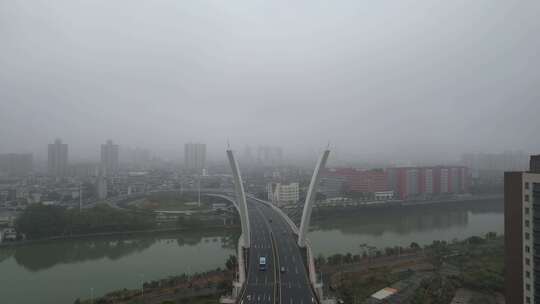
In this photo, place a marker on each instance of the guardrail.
(312, 273)
(283, 214)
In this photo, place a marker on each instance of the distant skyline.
(339, 158)
(404, 80)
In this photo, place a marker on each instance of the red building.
(358, 180)
(410, 182)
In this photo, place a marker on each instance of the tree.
(231, 262)
(348, 258)
(491, 235)
(38, 221)
(414, 246)
(225, 285)
(320, 260)
(475, 240)
(320, 197)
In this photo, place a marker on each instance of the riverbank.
(195, 288)
(429, 274)
(405, 204)
(122, 233)
(40, 223)
(60, 271)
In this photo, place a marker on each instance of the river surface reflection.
(61, 271)
(339, 232)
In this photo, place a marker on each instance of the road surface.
(273, 238)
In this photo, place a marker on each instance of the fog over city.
(405, 79)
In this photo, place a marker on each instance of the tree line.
(43, 221)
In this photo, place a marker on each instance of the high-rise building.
(490, 166)
(101, 187)
(359, 180)
(522, 235)
(13, 164)
(195, 157)
(247, 156)
(412, 182)
(109, 158)
(58, 158)
(269, 156)
(332, 186)
(281, 194)
(136, 158)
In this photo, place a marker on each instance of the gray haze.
(398, 79)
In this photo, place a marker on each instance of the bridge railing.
(312, 272)
(311, 264)
(283, 214)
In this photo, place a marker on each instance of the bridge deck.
(270, 231)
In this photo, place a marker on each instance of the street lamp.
(92, 295)
(80, 196)
(199, 192)
(142, 285)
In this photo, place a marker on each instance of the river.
(61, 271)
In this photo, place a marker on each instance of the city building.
(332, 186)
(491, 166)
(283, 194)
(425, 182)
(109, 158)
(521, 234)
(195, 157)
(269, 156)
(247, 156)
(84, 170)
(58, 159)
(101, 188)
(136, 158)
(13, 164)
(359, 180)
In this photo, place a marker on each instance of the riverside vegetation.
(42, 221)
(424, 275)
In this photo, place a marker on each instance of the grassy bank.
(422, 275)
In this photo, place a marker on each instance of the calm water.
(345, 231)
(59, 272)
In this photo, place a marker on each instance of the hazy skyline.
(405, 79)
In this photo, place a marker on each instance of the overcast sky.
(397, 79)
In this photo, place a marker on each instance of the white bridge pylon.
(240, 199)
(310, 199)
